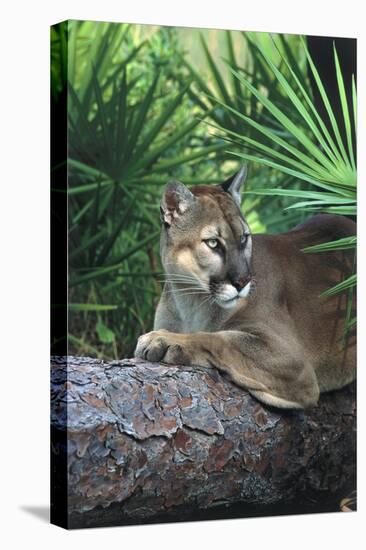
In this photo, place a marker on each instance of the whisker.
(208, 299)
(180, 274)
(189, 287)
(180, 280)
(184, 291)
(183, 281)
(192, 283)
(197, 287)
(176, 275)
(192, 293)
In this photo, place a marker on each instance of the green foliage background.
(148, 104)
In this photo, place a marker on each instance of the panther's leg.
(268, 366)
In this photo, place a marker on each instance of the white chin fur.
(232, 299)
(245, 291)
(227, 304)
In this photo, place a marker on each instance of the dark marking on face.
(236, 268)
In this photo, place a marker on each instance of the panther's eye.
(244, 239)
(212, 243)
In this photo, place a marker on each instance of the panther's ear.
(176, 200)
(234, 184)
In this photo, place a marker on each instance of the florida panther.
(251, 305)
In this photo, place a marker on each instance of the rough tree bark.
(146, 442)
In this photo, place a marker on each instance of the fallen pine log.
(138, 442)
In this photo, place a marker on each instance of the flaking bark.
(146, 442)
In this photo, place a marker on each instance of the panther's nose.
(239, 284)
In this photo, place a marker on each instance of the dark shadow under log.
(147, 442)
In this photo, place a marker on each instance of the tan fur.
(283, 342)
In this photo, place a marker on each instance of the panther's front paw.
(152, 346)
(161, 345)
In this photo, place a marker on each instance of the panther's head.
(206, 245)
